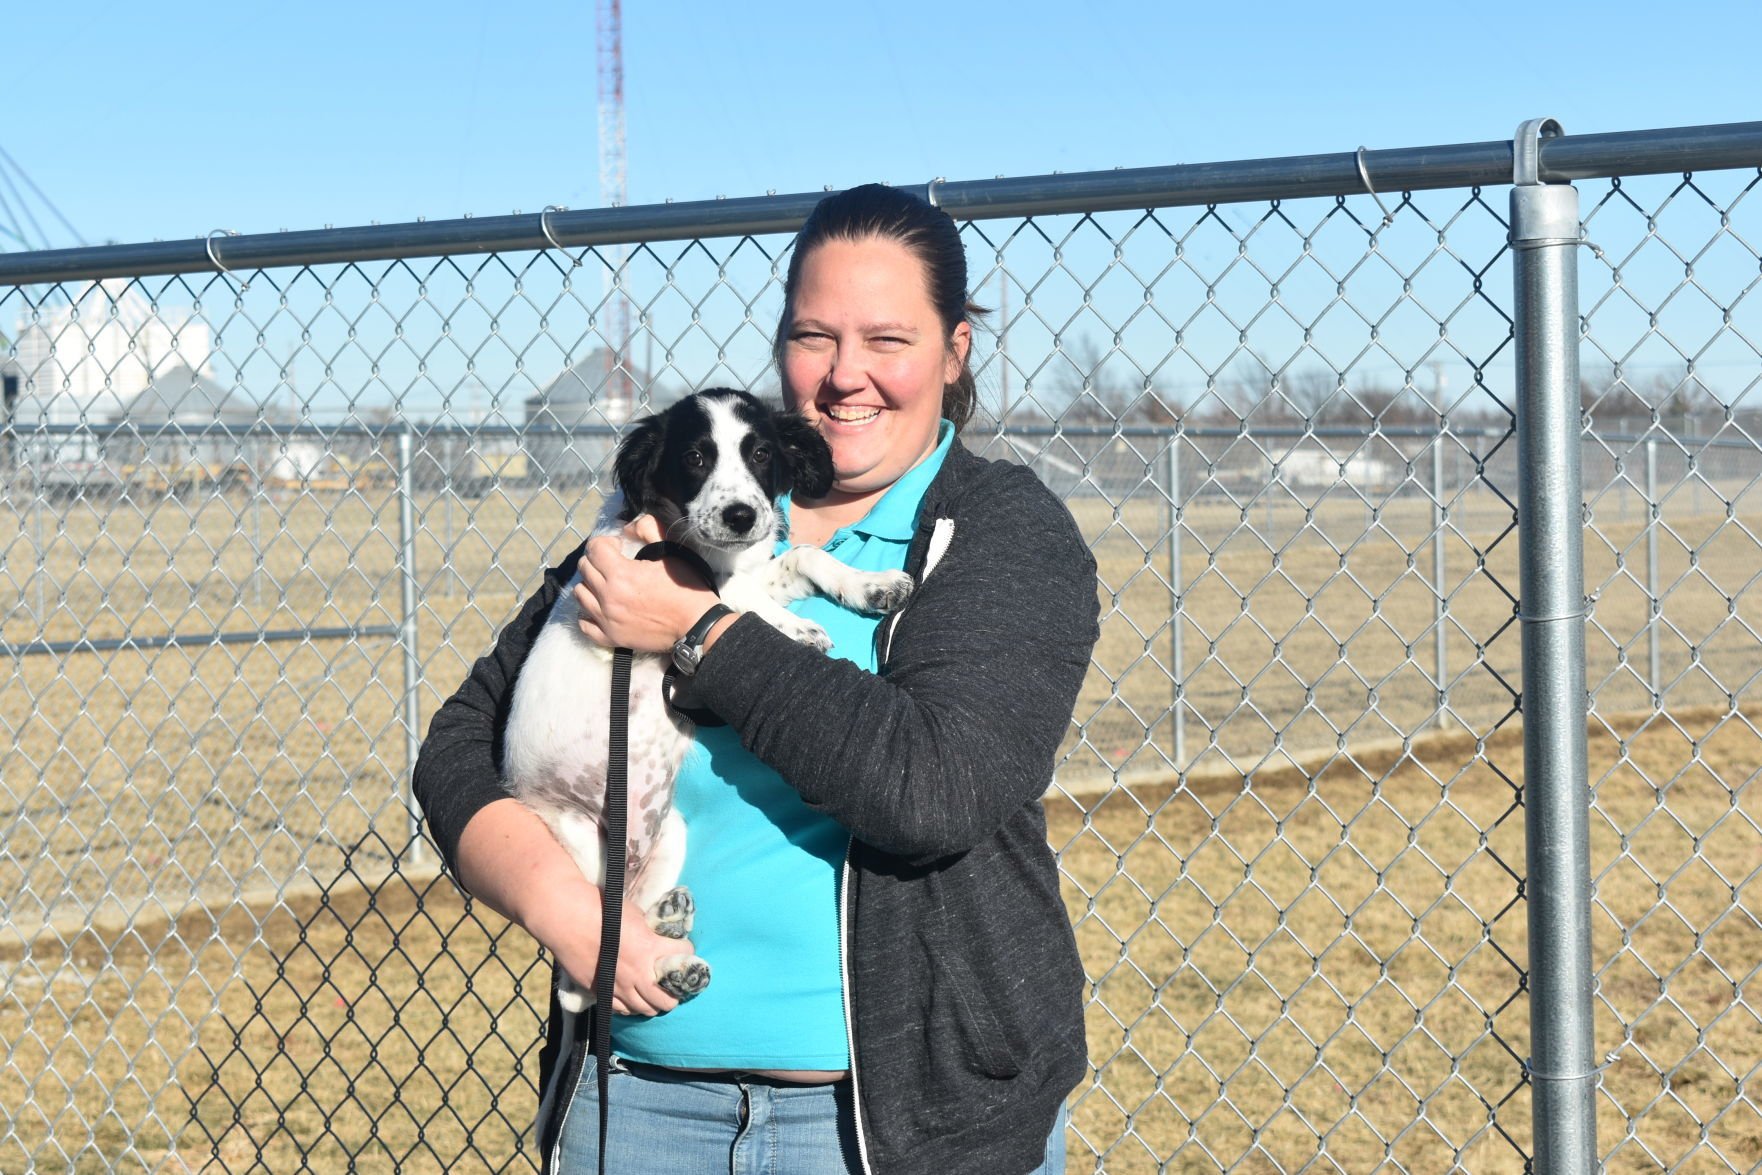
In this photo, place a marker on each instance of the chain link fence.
(259, 520)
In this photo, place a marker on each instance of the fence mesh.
(1288, 813)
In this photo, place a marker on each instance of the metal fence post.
(449, 493)
(257, 553)
(1440, 606)
(1691, 447)
(1654, 609)
(1544, 242)
(41, 570)
(1177, 671)
(407, 631)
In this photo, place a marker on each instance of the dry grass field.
(1285, 967)
(1308, 943)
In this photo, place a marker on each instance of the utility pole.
(616, 398)
(1440, 515)
(1003, 337)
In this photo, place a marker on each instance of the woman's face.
(865, 359)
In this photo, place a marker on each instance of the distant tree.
(1687, 404)
(1241, 394)
(1609, 401)
(1151, 408)
(1310, 394)
(1256, 393)
(1095, 390)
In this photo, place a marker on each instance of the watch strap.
(691, 644)
(700, 631)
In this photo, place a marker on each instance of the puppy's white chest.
(558, 736)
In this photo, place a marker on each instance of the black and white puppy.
(710, 469)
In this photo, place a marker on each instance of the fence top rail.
(125, 430)
(1563, 159)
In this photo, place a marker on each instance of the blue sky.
(168, 120)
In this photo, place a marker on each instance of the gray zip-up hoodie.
(963, 987)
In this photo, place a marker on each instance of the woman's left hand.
(631, 604)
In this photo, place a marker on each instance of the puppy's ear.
(635, 466)
(805, 453)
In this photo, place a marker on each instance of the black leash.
(612, 897)
(616, 820)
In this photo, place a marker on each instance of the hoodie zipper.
(941, 534)
(850, 1020)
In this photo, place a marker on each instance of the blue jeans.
(666, 1123)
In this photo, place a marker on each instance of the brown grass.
(1310, 944)
(1283, 967)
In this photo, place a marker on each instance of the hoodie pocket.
(970, 1048)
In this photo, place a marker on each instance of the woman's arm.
(509, 860)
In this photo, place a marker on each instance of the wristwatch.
(688, 650)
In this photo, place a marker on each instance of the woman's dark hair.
(878, 211)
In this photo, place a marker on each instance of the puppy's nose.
(739, 518)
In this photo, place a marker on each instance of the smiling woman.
(897, 986)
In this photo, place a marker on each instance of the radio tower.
(616, 389)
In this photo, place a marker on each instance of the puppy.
(710, 469)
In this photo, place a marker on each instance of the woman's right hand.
(573, 939)
(510, 861)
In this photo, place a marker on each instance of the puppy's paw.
(804, 631)
(682, 976)
(887, 591)
(574, 998)
(672, 915)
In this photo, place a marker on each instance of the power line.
(10, 175)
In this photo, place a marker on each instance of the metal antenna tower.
(617, 388)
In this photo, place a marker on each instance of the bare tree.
(1097, 393)
(1685, 403)
(1241, 395)
(1311, 393)
(1389, 405)
(1608, 399)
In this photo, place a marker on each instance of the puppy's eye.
(694, 459)
(761, 454)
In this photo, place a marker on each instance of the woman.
(896, 986)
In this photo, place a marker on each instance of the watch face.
(685, 656)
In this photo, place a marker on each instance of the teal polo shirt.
(763, 867)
